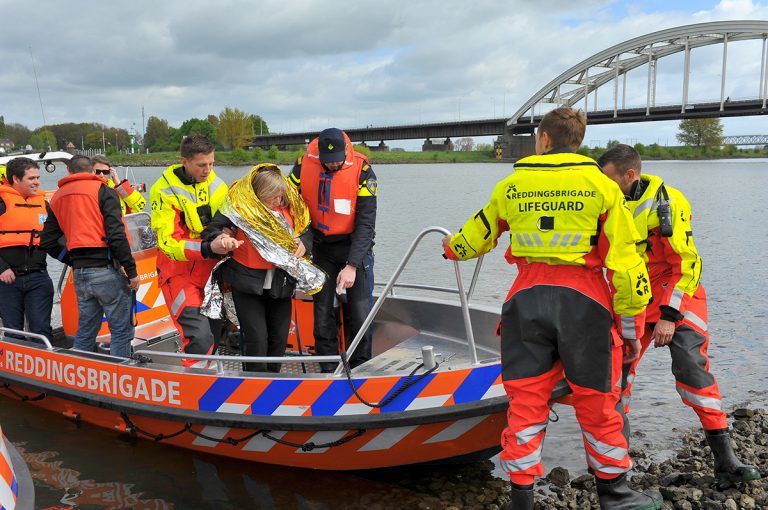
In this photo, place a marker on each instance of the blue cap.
(331, 145)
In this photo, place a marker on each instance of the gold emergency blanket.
(270, 234)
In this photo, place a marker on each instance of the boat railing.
(464, 297)
(221, 359)
(26, 334)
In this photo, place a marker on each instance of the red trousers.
(690, 363)
(556, 321)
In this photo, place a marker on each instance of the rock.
(743, 413)
(559, 477)
(747, 502)
(730, 504)
(583, 482)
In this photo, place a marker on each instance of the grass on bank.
(247, 158)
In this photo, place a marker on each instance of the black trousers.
(264, 325)
(356, 308)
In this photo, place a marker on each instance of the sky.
(305, 65)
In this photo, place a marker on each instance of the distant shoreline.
(381, 158)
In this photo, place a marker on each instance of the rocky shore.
(686, 480)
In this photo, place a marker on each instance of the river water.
(80, 466)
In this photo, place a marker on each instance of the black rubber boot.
(615, 494)
(727, 466)
(521, 497)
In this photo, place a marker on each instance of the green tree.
(196, 127)
(43, 140)
(235, 128)
(3, 131)
(213, 119)
(18, 134)
(259, 126)
(158, 134)
(272, 153)
(700, 132)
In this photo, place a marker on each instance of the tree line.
(229, 130)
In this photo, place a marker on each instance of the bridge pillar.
(514, 146)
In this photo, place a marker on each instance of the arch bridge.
(606, 70)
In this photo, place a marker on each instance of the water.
(89, 467)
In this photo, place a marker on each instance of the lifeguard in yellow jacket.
(183, 202)
(567, 222)
(677, 317)
(131, 200)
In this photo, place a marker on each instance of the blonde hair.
(268, 182)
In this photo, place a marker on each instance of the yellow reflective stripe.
(294, 180)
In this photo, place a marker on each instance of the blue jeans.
(103, 291)
(30, 295)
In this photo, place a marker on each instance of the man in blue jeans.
(26, 289)
(87, 212)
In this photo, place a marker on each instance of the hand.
(447, 241)
(113, 175)
(228, 231)
(300, 248)
(8, 276)
(224, 244)
(133, 283)
(663, 332)
(631, 350)
(346, 278)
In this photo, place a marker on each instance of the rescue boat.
(16, 487)
(431, 393)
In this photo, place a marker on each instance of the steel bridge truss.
(615, 62)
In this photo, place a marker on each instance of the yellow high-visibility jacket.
(175, 215)
(130, 198)
(559, 208)
(675, 258)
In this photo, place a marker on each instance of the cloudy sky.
(305, 65)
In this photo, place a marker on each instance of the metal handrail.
(28, 334)
(391, 283)
(242, 359)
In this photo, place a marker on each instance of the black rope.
(309, 446)
(407, 384)
(140, 358)
(557, 416)
(306, 447)
(23, 398)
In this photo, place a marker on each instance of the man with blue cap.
(339, 187)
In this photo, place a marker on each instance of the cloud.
(306, 64)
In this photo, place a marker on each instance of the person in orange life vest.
(261, 292)
(131, 200)
(677, 316)
(87, 213)
(339, 187)
(567, 222)
(26, 289)
(183, 201)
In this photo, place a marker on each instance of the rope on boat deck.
(407, 384)
(23, 398)
(306, 447)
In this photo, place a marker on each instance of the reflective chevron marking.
(388, 438)
(455, 430)
(259, 443)
(214, 432)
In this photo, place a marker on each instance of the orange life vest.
(23, 219)
(248, 255)
(331, 196)
(76, 206)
